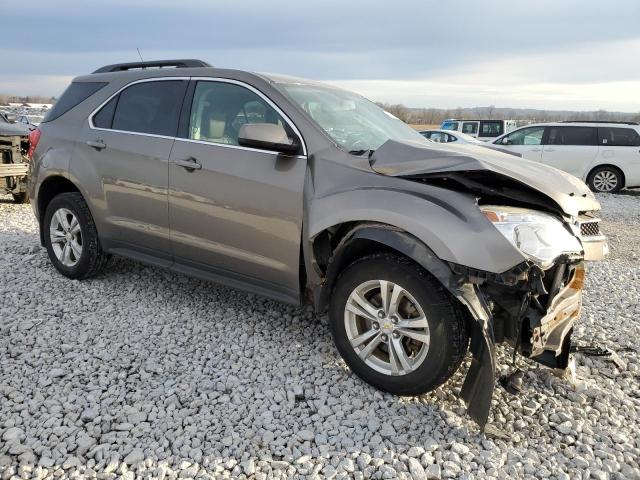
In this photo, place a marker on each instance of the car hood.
(11, 129)
(486, 171)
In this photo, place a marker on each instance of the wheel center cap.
(386, 326)
(68, 236)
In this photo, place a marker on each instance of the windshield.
(449, 125)
(353, 122)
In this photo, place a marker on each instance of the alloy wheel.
(387, 327)
(605, 181)
(66, 237)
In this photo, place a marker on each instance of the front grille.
(589, 229)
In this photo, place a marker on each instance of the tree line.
(435, 116)
(6, 99)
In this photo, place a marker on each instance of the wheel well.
(336, 248)
(49, 189)
(613, 167)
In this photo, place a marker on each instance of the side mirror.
(267, 136)
(11, 117)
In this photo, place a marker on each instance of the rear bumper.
(14, 169)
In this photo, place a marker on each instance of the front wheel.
(395, 326)
(605, 180)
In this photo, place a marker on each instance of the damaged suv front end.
(548, 217)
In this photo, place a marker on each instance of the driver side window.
(526, 136)
(219, 109)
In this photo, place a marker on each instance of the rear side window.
(149, 107)
(491, 128)
(572, 136)
(75, 94)
(618, 137)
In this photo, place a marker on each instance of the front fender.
(449, 222)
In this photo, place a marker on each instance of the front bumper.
(556, 325)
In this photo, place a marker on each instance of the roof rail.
(123, 67)
(599, 121)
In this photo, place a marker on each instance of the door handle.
(97, 144)
(550, 150)
(536, 149)
(190, 164)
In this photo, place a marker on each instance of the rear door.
(124, 152)
(526, 141)
(570, 148)
(620, 146)
(238, 213)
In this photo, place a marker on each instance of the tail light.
(34, 138)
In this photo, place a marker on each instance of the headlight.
(539, 236)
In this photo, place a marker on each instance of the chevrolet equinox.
(306, 193)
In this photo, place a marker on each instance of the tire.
(90, 259)
(21, 197)
(606, 180)
(447, 336)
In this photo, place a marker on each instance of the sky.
(551, 55)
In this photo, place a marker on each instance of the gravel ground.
(149, 374)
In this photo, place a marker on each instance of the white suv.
(606, 155)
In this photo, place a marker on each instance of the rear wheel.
(21, 197)
(71, 237)
(605, 180)
(396, 326)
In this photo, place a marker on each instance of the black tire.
(595, 182)
(92, 259)
(449, 339)
(21, 197)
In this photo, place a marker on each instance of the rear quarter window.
(618, 137)
(74, 95)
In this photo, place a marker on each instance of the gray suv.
(306, 193)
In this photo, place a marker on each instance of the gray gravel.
(142, 373)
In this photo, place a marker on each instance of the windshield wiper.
(362, 152)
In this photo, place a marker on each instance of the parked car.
(485, 130)
(30, 121)
(14, 143)
(606, 155)
(459, 138)
(311, 194)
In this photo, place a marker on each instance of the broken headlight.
(539, 236)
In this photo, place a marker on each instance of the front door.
(235, 212)
(526, 141)
(124, 152)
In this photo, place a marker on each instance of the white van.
(485, 130)
(606, 155)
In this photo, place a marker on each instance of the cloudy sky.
(548, 54)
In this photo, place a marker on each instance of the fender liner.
(479, 383)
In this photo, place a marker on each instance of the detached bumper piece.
(532, 310)
(593, 241)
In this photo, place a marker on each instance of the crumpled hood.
(409, 159)
(12, 129)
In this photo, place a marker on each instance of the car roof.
(582, 124)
